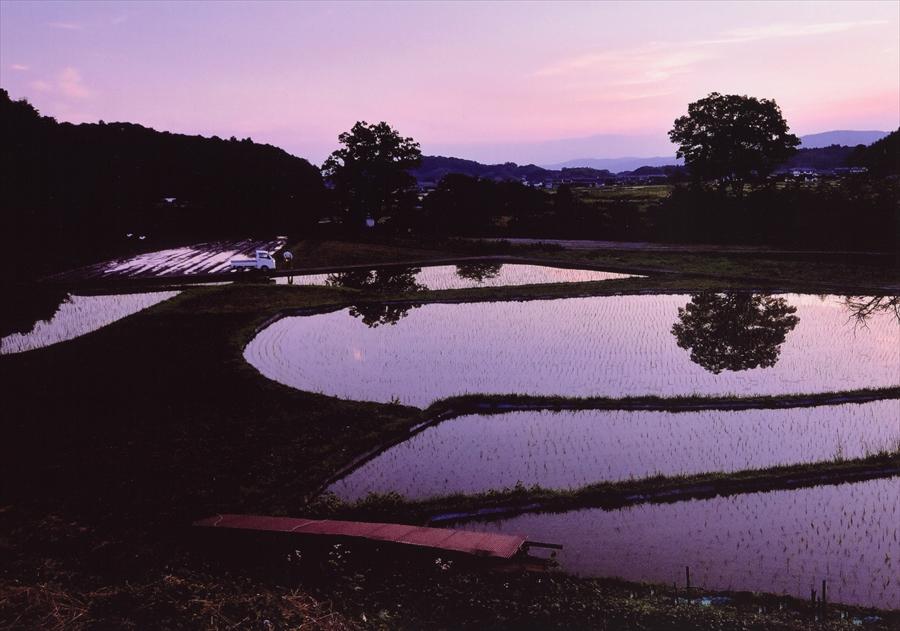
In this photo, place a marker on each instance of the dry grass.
(170, 601)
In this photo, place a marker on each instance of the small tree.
(370, 172)
(732, 138)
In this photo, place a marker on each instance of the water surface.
(779, 541)
(565, 450)
(463, 276)
(79, 315)
(600, 346)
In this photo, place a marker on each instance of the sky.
(492, 81)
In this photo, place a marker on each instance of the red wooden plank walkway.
(477, 543)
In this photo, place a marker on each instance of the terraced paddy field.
(462, 276)
(666, 345)
(192, 429)
(783, 542)
(80, 315)
(570, 449)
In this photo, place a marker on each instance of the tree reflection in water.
(734, 331)
(394, 280)
(862, 308)
(478, 272)
(24, 307)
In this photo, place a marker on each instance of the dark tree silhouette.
(78, 189)
(466, 205)
(398, 279)
(479, 272)
(393, 280)
(732, 331)
(375, 314)
(731, 138)
(881, 157)
(26, 305)
(862, 308)
(370, 172)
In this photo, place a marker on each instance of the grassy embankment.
(117, 440)
(795, 271)
(654, 489)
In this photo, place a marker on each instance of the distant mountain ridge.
(843, 137)
(824, 150)
(617, 165)
(433, 168)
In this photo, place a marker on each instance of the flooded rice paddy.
(710, 344)
(566, 450)
(79, 315)
(440, 277)
(196, 259)
(779, 541)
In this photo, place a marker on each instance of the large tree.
(730, 138)
(370, 172)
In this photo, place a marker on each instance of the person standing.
(288, 257)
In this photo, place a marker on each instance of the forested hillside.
(61, 182)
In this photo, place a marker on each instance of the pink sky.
(490, 81)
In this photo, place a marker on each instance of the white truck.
(263, 260)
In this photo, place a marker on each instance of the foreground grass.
(499, 403)
(114, 442)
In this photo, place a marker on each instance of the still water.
(569, 449)
(463, 276)
(779, 541)
(78, 315)
(668, 345)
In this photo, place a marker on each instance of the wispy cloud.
(658, 61)
(626, 96)
(72, 85)
(68, 84)
(775, 31)
(39, 85)
(66, 26)
(18, 67)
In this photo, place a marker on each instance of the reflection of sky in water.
(569, 449)
(779, 541)
(447, 277)
(185, 260)
(604, 346)
(79, 315)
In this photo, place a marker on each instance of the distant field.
(630, 193)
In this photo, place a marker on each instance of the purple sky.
(488, 81)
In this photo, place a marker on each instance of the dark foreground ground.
(114, 442)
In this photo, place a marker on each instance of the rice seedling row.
(571, 449)
(577, 347)
(779, 541)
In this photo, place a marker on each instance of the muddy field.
(191, 260)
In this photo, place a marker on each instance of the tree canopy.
(81, 188)
(472, 206)
(731, 138)
(370, 172)
(881, 157)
